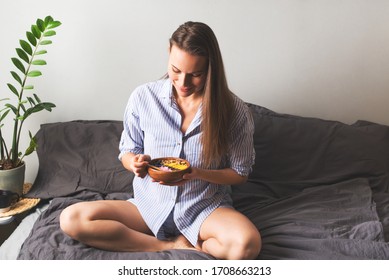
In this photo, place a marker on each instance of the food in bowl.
(170, 164)
(168, 169)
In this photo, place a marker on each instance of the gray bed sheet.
(337, 221)
(47, 241)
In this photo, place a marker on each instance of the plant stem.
(2, 144)
(17, 127)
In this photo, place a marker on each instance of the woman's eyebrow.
(175, 67)
(195, 72)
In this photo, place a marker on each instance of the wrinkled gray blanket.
(48, 242)
(338, 221)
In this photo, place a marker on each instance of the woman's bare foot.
(180, 242)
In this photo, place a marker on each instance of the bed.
(318, 189)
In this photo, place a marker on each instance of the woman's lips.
(185, 89)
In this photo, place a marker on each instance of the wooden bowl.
(171, 169)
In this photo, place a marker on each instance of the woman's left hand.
(187, 176)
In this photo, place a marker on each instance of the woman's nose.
(184, 80)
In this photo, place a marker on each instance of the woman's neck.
(190, 101)
(188, 105)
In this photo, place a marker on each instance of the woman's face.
(187, 72)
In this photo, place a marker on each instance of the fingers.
(140, 164)
(191, 174)
(140, 158)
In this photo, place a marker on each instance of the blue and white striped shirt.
(152, 123)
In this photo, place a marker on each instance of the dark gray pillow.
(80, 155)
(294, 152)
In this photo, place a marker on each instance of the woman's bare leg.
(228, 234)
(113, 225)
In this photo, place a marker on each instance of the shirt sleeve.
(132, 135)
(241, 150)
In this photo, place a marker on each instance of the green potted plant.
(25, 102)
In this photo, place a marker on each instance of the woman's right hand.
(137, 163)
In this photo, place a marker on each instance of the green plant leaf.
(35, 109)
(48, 20)
(18, 64)
(16, 77)
(31, 100)
(31, 38)
(46, 42)
(41, 25)
(23, 55)
(26, 47)
(49, 33)
(12, 107)
(39, 62)
(35, 30)
(48, 106)
(32, 147)
(34, 73)
(41, 52)
(2, 117)
(37, 98)
(13, 89)
(53, 24)
(29, 87)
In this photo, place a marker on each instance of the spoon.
(154, 167)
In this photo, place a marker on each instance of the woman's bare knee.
(245, 246)
(69, 221)
(228, 234)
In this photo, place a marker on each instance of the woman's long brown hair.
(197, 38)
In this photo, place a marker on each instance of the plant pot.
(13, 179)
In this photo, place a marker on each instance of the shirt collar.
(167, 89)
(167, 94)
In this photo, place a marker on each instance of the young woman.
(190, 114)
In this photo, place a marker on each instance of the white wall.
(320, 58)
